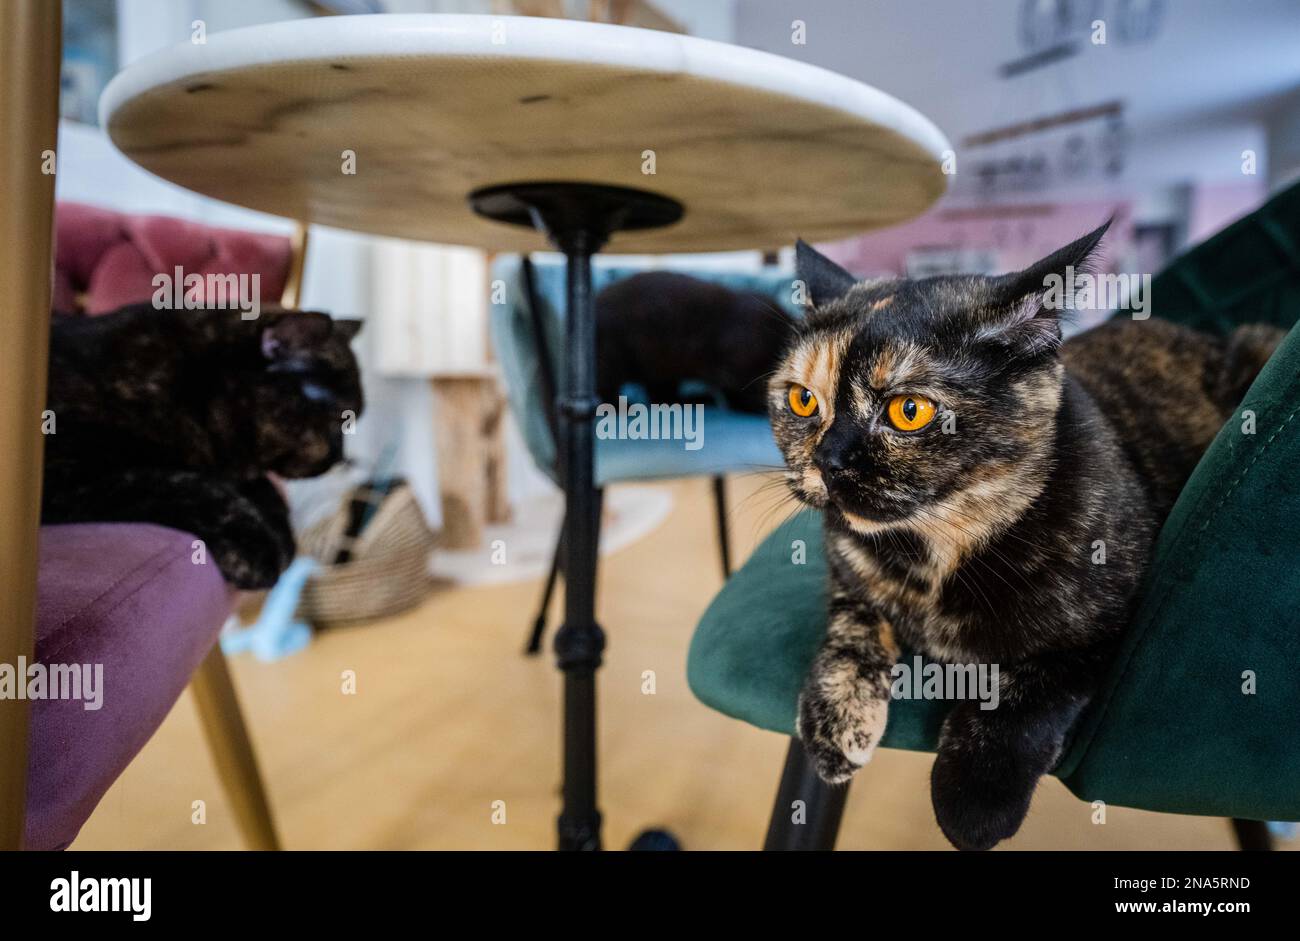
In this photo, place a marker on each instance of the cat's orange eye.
(910, 412)
(802, 402)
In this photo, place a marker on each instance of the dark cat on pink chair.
(177, 418)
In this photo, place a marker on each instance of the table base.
(578, 218)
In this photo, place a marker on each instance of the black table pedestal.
(578, 218)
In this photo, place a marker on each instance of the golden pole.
(232, 750)
(291, 297)
(30, 53)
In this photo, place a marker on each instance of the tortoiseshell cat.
(176, 417)
(967, 463)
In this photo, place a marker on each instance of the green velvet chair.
(1201, 711)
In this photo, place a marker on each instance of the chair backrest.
(549, 387)
(106, 259)
(516, 326)
(1198, 715)
(1248, 273)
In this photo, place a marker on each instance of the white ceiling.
(1195, 96)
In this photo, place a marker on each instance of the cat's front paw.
(979, 801)
(252, 547)
(250, 568)
(840, 726)
(255, 560)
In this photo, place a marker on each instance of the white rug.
(522, 549)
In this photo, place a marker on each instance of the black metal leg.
(539, 625)
(534, 646)
(580, 640)
(1252, 835)
(720, 502)
(807, 812)
(578, 218)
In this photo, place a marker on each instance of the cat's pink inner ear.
(298, 330)
(270, 343)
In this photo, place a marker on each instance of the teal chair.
(528, 335)
(1201, 710)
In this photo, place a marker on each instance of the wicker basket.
(388, 571)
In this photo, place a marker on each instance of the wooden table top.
(384, 124)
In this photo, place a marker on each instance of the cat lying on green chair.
(990, 495)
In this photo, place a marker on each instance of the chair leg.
(29, 111)
(534, 645)
(600, 514)
(232, 750)
(720, 503)
(1252, 835)
(807, 812)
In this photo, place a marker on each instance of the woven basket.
(388, 571)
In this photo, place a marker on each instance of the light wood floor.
(449, 717)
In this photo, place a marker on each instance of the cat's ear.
(1021, 312)
(1035, 278)
(346, 330)
(291, 334)
(825, 281)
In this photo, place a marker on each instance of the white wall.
(709, 19)
(1195, 97)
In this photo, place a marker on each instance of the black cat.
(177, 417)
(660, 329)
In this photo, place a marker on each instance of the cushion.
(731, 442)
(127, 597)
(106, 259)
(754, 645)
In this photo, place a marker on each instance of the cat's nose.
(831, 463)
(835, 452)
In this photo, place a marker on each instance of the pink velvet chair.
(126, 595)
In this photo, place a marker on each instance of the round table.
(502, 132)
